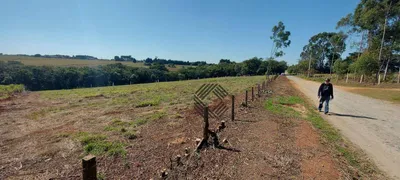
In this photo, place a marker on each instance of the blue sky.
(195, 30)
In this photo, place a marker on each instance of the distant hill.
(46, 61)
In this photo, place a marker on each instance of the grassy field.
(103, 121)
(38, 61)
(392, 95)
(7, 90)
(148, 102)
(353, 82)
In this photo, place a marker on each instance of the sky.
(190, 30)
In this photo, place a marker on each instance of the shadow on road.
(353, 116)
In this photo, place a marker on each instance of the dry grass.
(354, 81)
(392, 95)
(385, 91)
(38, 61)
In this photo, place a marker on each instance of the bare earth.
(373, 125)
(259, 144)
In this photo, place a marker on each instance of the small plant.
(122, 127)
(7, 90)
(101, 176)
(130, 134)
(139, 122)
(147, 103)
(96, 144)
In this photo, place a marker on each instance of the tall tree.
(381, 21)
(280, 40)
(324, 48)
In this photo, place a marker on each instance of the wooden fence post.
(361, 79)
(347, 77)
(252, 93)
(379, 79)
(206, 124)
(398, 77)
(89, 168)
(263, 86)
(245, 101)
(233, 108)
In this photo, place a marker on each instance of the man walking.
(325, 94)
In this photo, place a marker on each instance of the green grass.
(128, 129)
(290, 100)
(7, 90)
(151, 94)
(279, 105)
(97, 144)
(122, 127)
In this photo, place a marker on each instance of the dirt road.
(373, 125)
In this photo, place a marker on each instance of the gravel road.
(373, 125)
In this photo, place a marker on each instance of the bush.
(340, 67)
(7, 90)
(366, 64)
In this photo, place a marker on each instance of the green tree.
(367, 65)
(250, 66)
(341, 67)
(158, 66)
(280, 40)
(380, 20)
(324, 48)
(224, 61)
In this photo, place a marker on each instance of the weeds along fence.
(89, 167)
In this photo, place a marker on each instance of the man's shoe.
(319, 110)
(326, 112)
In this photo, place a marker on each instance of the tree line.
(374, 28)
(51, 78)
(149, 61)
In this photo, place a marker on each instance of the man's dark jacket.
(325, 90)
